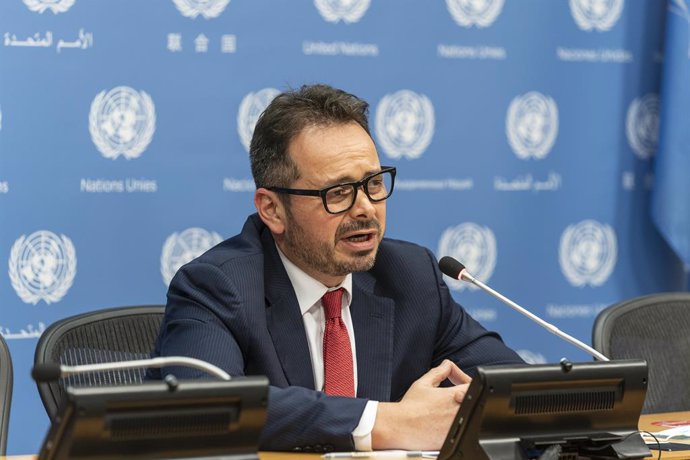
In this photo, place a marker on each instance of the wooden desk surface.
(652, 423)
(659, 422)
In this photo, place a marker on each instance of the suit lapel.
(372, 319)
(284, 320)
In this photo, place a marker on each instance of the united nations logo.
(122, 122)
(404, 124)
(207, 8)
(251, 107)
(531, 357)
(532, 125)
(596, 14)
(474, 246)
(348, 11)
(480, 13)
(42, 266)
(642, 125)
(587, 253)
(56, 6)
(180, 248)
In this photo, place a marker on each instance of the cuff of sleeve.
(362, 433)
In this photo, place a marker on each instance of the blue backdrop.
(523, 132)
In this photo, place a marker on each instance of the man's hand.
(421, 420)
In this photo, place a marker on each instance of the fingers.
(446, 370)
(457, 376)
(459, 392)
(437, 374)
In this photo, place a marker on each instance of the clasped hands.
(422, 418)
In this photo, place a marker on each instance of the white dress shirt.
(309, 292)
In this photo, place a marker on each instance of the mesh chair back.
(5, 392)
(116, 334)
(655, 328)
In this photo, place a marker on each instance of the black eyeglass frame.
(364, 184)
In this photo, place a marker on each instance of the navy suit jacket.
(235, 307)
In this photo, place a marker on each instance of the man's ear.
(271, 210)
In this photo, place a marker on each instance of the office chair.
(5, 392)
(115, 334)
(655, 328)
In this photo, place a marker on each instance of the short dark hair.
(286, 117)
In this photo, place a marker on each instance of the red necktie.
(337, 353)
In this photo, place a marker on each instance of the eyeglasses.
(341, 197)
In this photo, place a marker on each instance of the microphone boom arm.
(152, 362)
(465, 276)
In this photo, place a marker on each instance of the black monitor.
(590, 410)
(185, 419)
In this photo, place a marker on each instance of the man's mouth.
(359, 237)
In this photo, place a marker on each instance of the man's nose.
(363, 206)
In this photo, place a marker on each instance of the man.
(311, 295)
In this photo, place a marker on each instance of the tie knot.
(332, 303)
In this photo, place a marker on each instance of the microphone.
(456, 270)
(49, 372)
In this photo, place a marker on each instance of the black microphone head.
(46, 372)
(450, 267)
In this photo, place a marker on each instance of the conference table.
(659, 422)
(651, 423)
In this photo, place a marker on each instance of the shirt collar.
(307, 289)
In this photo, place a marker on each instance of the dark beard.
(320, 257)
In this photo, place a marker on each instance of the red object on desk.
(671, 423)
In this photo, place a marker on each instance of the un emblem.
(480, 13)
(587, 253)
(180, 248)
(596, 14)
(251, 107)
(207, 8)
(42, 266)
(404, 124)
(122, 122)
(348, 11)
(532, 125)
(474, 246)
(56, 6)
(642, 125)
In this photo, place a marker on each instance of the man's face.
(329, 246)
